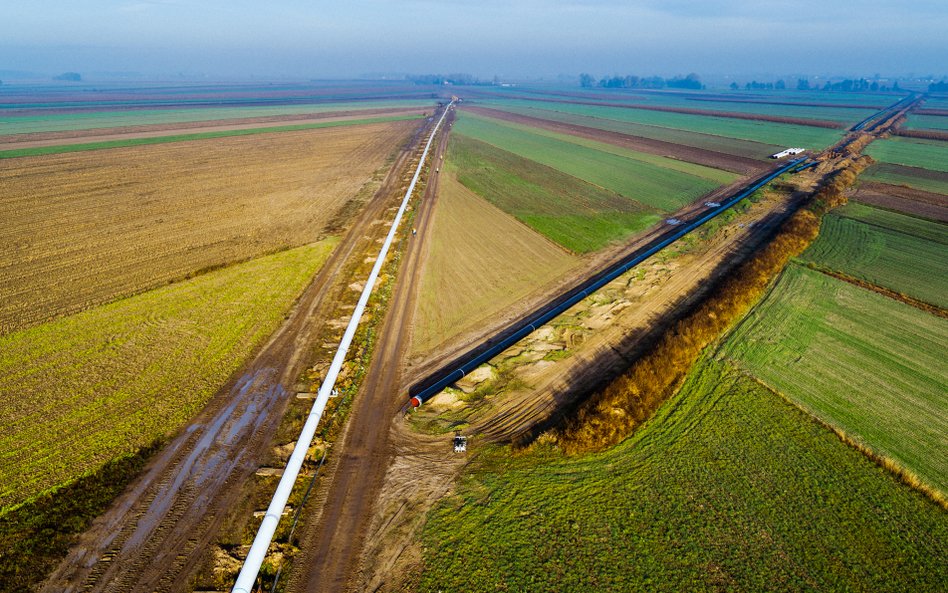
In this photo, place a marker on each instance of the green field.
(871, 365)
(649, 184)
(734, 146)
(926, 122)
(923, 179)
(899, 252)
(579, 216)
(62, 122)
(44, 150)
(83, 390)
(778, 134)
(911, 152)
(728, 488)
(848, 115)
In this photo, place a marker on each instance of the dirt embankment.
(708, 158)
(65, 138)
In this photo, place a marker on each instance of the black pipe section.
(467, 362)
(877, 114)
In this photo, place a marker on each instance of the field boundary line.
(881, 290)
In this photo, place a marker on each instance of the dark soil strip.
(700, 156)
(943, 112)
(926, 134)
(904, 199)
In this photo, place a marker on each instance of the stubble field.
(83, 229)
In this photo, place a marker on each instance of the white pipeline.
(261, 543)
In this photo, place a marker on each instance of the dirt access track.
(152, 536)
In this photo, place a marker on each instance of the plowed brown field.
(81, 229)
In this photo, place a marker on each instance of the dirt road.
(152, 537)
(334, 534)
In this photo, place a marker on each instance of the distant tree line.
(691, 81)
(803, 84)
(848, 86)
(762, 86)
(938, 87)
(70, 76)
(459, 79)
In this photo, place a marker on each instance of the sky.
(508, 38)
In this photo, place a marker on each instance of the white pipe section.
(261, 543)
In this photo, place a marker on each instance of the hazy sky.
(315, 38)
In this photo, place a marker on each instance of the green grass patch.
(863, 362)
(926, 122)
(646, 183)
(711, 174)
(44, 150)
(902, 253)
(924, 154)
(83, 390)
(579, 216)
(923, 179)
(728, 488)
(772, 133)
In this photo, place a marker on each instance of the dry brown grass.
(481, 260)
(81, 229)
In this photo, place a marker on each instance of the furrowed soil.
(481, 256)
(15, 141)
(86, 228)
(904, 199)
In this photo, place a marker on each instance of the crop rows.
(904, 254)
(649, 184)
(914, 177)
(579, 216)
(728, 488)
(83, 390)
(863, 362)
(82, 229)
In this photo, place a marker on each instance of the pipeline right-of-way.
(467, 362)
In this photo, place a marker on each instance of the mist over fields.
(523, 39)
